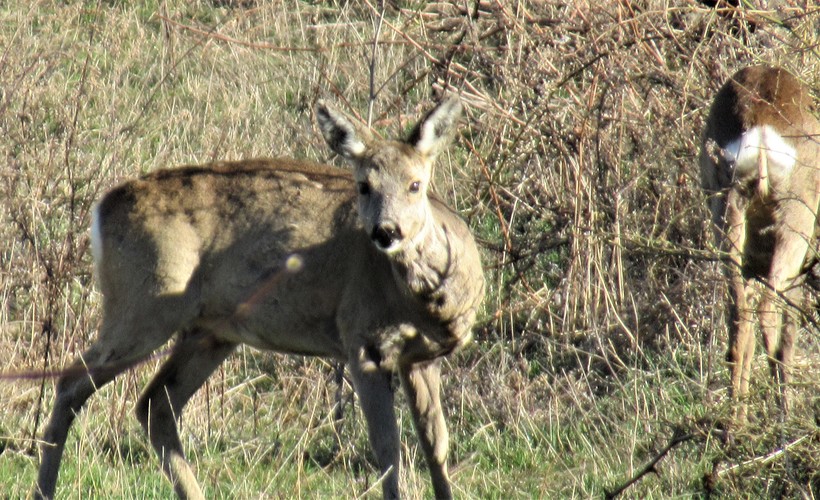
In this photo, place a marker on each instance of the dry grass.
(603, 330)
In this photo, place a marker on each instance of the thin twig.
(212, 34)
(508, 246)
(765, 459)
(373, 61)
(81, 369)
(650, 467)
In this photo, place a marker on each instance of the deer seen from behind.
(760, 164)
(369, 268)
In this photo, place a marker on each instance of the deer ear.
(434, 132)
(342, 134)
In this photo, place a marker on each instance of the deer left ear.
(434, 132)
(341, 132)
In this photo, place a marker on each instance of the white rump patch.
(743, 152)
(96, 238)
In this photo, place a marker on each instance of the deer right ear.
(341, 133)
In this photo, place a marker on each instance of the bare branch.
(650, 467)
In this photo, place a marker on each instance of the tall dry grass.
(603, 331)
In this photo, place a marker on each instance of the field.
(600, 345)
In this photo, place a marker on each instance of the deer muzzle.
(386, 236)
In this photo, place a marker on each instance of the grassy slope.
(576, 167)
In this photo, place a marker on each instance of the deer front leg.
(422, 383)
(373, 387)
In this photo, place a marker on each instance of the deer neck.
(432, 268)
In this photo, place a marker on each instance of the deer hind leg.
(422, 382)
(373, 386)
(194, 358)
(741, 341)
(73, 390)
(785, 349)
(778, 328)
(741, 327)
(777, 320)
(118, 347)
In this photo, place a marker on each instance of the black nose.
(384, 235)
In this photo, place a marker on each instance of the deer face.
(392, 178)
(392, 191)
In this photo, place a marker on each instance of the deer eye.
(414, 187)
(363, 188)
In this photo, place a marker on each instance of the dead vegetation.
(603, 335)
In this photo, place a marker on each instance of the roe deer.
(760, 163)
(286, 256)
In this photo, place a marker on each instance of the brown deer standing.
(284, 255)
(760, 163)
